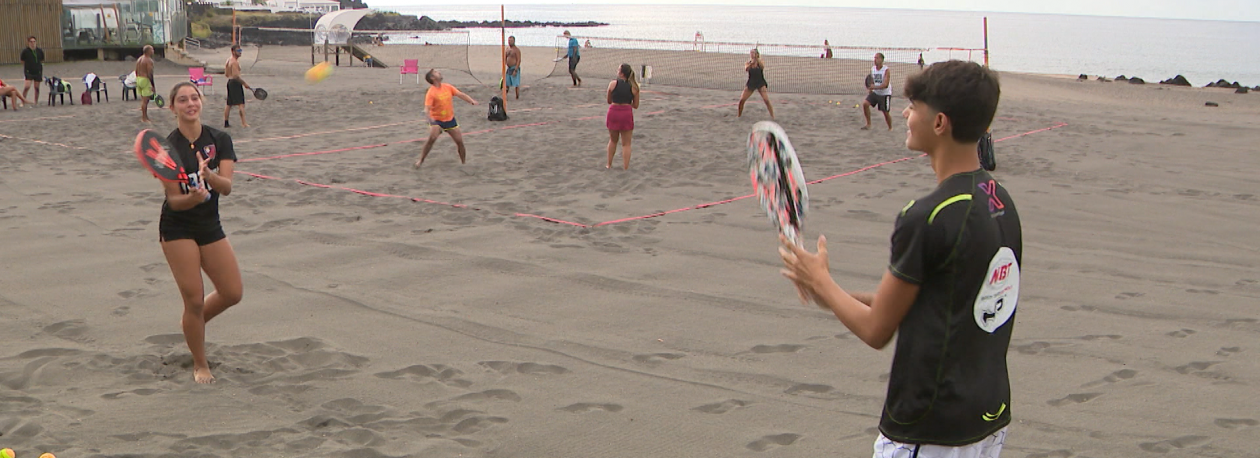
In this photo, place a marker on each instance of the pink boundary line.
(632, 218)
(289, 137)
(378, 145)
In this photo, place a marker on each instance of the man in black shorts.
(32, 67)
(236, 87)
(951, 288)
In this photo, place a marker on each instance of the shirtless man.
(235, 87)
(513, 58)
(144, 82)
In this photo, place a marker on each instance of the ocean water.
(1154, 49)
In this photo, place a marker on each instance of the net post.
(986, 42)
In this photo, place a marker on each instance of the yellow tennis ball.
(6, 453)
(48, 455)
(319, 72)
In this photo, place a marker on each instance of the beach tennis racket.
(870, 81)
(154, 153)
(777, 179)
(988, 159)
(159, 101)
(260, 93)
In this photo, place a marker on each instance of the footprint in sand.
(1129, 295)
(1228, 351)
(1236, 423)
(1181, 333)
(657, 358)
(72, 330)
(773, 441)
(421, 373)
(784, 348)
(1075, 398)
(507, 367)
(1169, 445)
(583, 407)
(806, 389)
(722, 407)
(1053, 454)
(1123, 374)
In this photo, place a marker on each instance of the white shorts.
(989, 447)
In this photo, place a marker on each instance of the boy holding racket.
(440, 102)
(951, 287)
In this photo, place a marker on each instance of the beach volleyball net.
(803, 69)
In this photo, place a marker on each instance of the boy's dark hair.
(235, 48)
(964, 91)
(428, 76)
(32, 37)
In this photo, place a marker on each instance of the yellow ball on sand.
(6, 453)
(48, 455)
(319, 72)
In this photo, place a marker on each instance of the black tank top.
(621, 93)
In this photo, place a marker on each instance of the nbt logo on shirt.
(995, 303)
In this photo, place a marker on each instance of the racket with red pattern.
(777, 178)
(155, 154)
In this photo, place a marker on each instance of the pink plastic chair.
(199, 77)
(410, 67)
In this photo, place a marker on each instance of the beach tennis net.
(444, 49)
(720, 65)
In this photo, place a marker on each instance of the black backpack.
(988, 159)
(497, 113)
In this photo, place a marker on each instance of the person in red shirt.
(440, 103)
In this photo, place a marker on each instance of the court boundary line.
(619, 220)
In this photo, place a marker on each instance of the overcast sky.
(1233, 10)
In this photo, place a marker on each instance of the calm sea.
(1154, 49)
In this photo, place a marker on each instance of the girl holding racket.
(623, 99)
(756, 69)
(192, 238)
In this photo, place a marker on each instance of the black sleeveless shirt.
(621, 93)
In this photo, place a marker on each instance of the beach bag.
(988, 158)
(85, 98)
(496, 111)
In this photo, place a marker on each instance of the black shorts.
(573, 61)
(37, 77)
(203, 237)
(879, 101)
(446, 126)
(236, 93)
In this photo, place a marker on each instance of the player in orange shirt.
(440, 102)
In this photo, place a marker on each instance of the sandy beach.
(533, 304)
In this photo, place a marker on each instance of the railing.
(191, 42)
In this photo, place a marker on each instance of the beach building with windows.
(104, 29)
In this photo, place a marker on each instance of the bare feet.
(202, 375)
(244, 125)
(145, 120)
(866, 127)
(417, 164)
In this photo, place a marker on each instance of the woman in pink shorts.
(623, 99)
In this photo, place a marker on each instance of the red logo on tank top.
(209, 151)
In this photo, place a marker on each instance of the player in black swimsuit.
(189, 230)
(756, 82)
